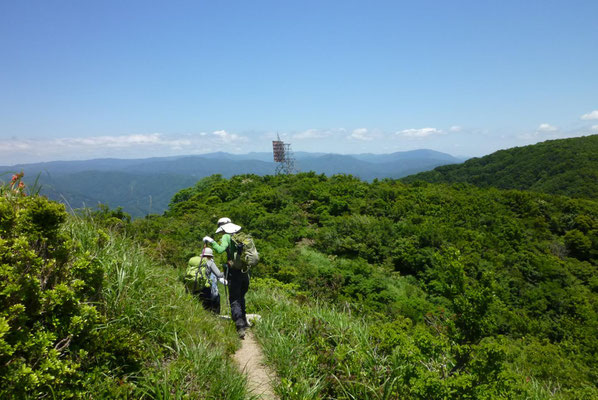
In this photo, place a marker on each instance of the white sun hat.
(224, 220)
(229, 228)
(207, 252)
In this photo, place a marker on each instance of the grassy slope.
(320, 351)
(186, 349)
(564, 166)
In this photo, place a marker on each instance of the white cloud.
(423, 132)
(361, 134)
(312, 134)
(119, 141)
(595, 128)
(14, 145)
(547, 128)
(318, 133)
(456, 128)
(94, 142)
(135, 145)
(590, 115)
(225, 137)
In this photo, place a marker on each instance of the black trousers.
(208, 301)
(238, 284)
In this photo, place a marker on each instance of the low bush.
(84, 313)
(321, 352)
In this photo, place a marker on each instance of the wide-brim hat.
(229, 228)
(224, 220)
(207, 252)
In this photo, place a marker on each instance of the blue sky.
(88, 79)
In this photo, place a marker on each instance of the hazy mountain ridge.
(142, 186)
(111, 164)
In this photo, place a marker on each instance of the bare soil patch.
(251, 361)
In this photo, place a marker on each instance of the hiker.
(238, 278)
(205, 281)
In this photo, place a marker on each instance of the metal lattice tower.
(283, 156)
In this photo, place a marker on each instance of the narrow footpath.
(251, 361)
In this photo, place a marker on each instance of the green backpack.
(246, 255)
(195, 270)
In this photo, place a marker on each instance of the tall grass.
(186, 350)
(322, 352)
(296, 336)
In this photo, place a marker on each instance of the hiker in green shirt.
(238, 280)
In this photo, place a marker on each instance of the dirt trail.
(251, 360)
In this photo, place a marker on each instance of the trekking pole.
(198, 268)
(226, 291)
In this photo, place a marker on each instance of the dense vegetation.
(85, 314)
(565, 166)
(387, 290)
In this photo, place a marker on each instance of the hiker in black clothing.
(238, 280)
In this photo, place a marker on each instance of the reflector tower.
(283, 156)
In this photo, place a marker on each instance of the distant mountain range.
(564, 166)
(142, 186)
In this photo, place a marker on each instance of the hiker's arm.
(224, 243)
(215, 269)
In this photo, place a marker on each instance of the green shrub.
(84, 313)
(46, 298)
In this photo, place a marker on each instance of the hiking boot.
(241, 332)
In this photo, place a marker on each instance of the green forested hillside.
(389, 290)
(564, 166)
(137, 194)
